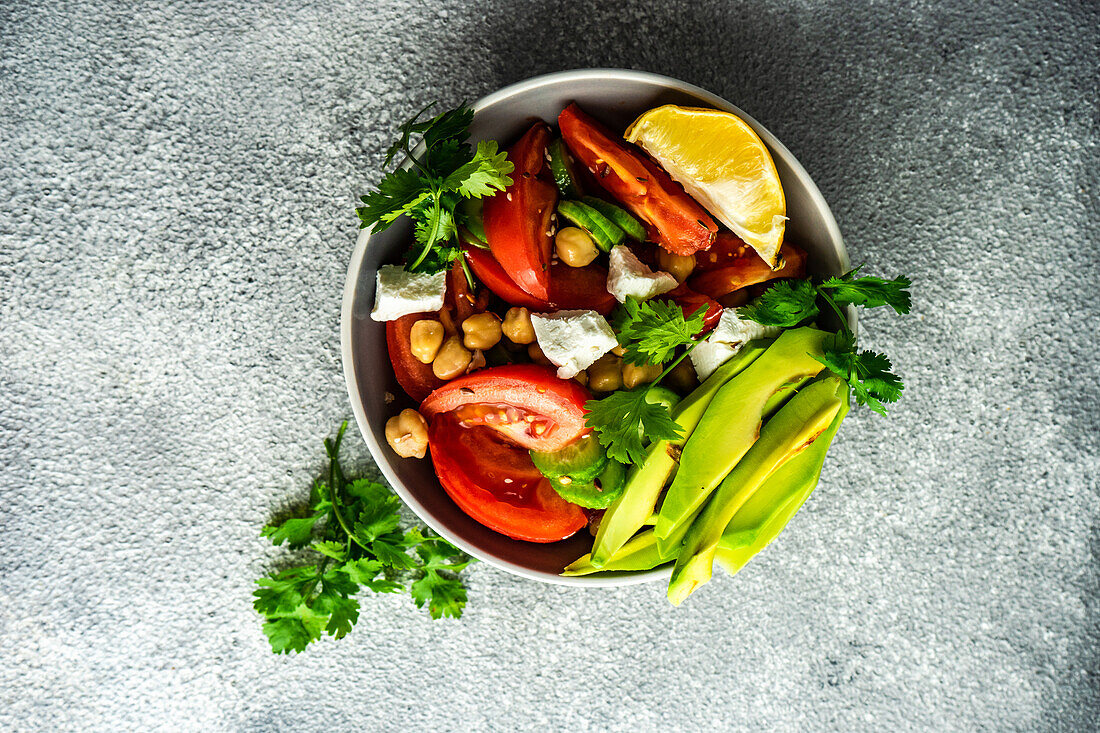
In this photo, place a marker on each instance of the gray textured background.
(176, 191)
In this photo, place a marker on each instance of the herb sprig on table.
(789, 303)
(650, 332)
(353, 537)
(431, 189)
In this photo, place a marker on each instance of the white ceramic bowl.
(615, 97)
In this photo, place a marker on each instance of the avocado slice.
(640, 553)
(731, 425)
(793, 429)
(582, 460)
(604, 232)
(771, 507)
(620, 216)
(645, 481)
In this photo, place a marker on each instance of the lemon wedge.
(724, 165)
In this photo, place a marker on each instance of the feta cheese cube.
(627, 275)
(573, 340)
(725, 341)
(398, 293)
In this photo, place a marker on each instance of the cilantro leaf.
(483, 176)
(289, 634)
(301, 603)
(651, 331)
(431, 187)
(398, 193)
(785, 304)
(870, 292)
(443, 596)
(867, 372)
(392, 550)
(295, 531)
(452, 124)
(616, 420)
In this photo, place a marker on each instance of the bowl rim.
(356, 263)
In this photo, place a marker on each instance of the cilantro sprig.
(430, 190)
(789, 303)
(650, 332)
(352, 532)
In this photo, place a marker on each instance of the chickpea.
(407, 434)
(517, 326)
(425, 338)
(535, 352)
(679, 266)
(681, 378)
(452, 360)
(574, 247)
(482, 331)
(606, 374)
(635, 374)
(618, 350)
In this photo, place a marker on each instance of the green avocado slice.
(794, 428)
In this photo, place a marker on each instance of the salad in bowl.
(596, 339)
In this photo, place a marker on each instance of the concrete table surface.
(177, 183)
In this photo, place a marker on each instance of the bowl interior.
(616, 98)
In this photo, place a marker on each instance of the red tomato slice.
(497, 484)
(414, 376)
(570, 287)
(526, 403)
(691, 301)
(731, 265)
(517, 220)
(679, 224)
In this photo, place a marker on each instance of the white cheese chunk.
(628, 276)
(573, 340)
(725, 341)
(399, 293)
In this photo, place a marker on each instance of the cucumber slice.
(581, 461)
(561, 167)
(620, 216)
(598, 494)
(604, 232)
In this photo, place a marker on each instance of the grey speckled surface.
(177, 183)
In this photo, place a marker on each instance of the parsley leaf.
(433, 185)
(870, 292)
(358, 545)
(785, 304)
(652, 330)
(867, 372)
(616, 420)
(788, 303)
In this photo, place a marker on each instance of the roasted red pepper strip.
(517, 220)
(731, 265)
(678, 223)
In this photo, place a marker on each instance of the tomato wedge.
(496, 483)
(414, 376)
(517, 220)
(526, 403)
(570, 287)
(678, 223)
(731, 265)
